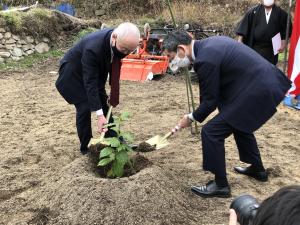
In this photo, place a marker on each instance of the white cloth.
(99, 112)
(193, 54)
(268, 14)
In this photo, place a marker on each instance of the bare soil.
(45, 180)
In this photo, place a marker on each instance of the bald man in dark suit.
(84, 71)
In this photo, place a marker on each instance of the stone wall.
(14, 47)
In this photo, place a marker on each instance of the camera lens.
(245, 207)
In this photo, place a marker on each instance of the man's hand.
(240, 39)
(233, 218)
(184, 122)
(101, 123)
(283, 46)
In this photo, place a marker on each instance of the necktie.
(115, 82)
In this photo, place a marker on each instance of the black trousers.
(267, 53)
(213, 135)
(83, 122)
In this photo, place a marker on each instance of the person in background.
(84, 71)
(282, 208)
(260, 24)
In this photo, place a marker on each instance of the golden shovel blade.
(97, 141)
(158, 142)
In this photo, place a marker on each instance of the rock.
(16, 37)
(100, 12)
(46, 40)
(14, 58)
(22, 42)
(4, 54)
(2, 60)
(7, 35)
(2, 30)
(19, 45)
(29, 39)
(10, 47)
(1, 36)
(29, 52)
(10, 41)
(27, 47)
(42, 47)
(17, 52)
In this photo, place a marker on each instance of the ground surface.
(45, 180)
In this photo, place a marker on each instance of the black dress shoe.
(249, 171)
(211, 189)
(84, 151)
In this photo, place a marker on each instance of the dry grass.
(222, 14)
(207, 12)
(36, 22)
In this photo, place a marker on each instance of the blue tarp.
(4, 7)
(66, 8)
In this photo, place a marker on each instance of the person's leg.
(248, 149)
(213, 135)
(249, 153)
(83, 124)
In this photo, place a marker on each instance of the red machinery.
(147, 61)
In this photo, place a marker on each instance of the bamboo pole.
(187, 77)
(287, 36)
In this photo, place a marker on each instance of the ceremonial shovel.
(159, 142)
(99, 141)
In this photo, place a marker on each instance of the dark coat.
(244, 86)
(84, 70)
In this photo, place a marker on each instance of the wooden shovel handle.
(107, 118)
(174, 130)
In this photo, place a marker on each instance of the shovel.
(159, 142)
(99, 141)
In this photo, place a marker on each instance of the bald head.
(126, 37)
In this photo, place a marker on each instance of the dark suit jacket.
(84, 69)
(244, 86)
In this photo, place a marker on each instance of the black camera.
(246, 207)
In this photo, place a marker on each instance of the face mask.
(117, 53)
(173, 67)
(268, 2)
(181, 62)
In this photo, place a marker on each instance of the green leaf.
(121, 148)
(115, 129)
(128, 148)
(112, 156)
(118, 169)
(122, 157)
(104, 162)
(117, 122)
(125, 116)
(114, 142)
(106, 152)
(127, 136)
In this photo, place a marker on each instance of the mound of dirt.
(143, 198)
